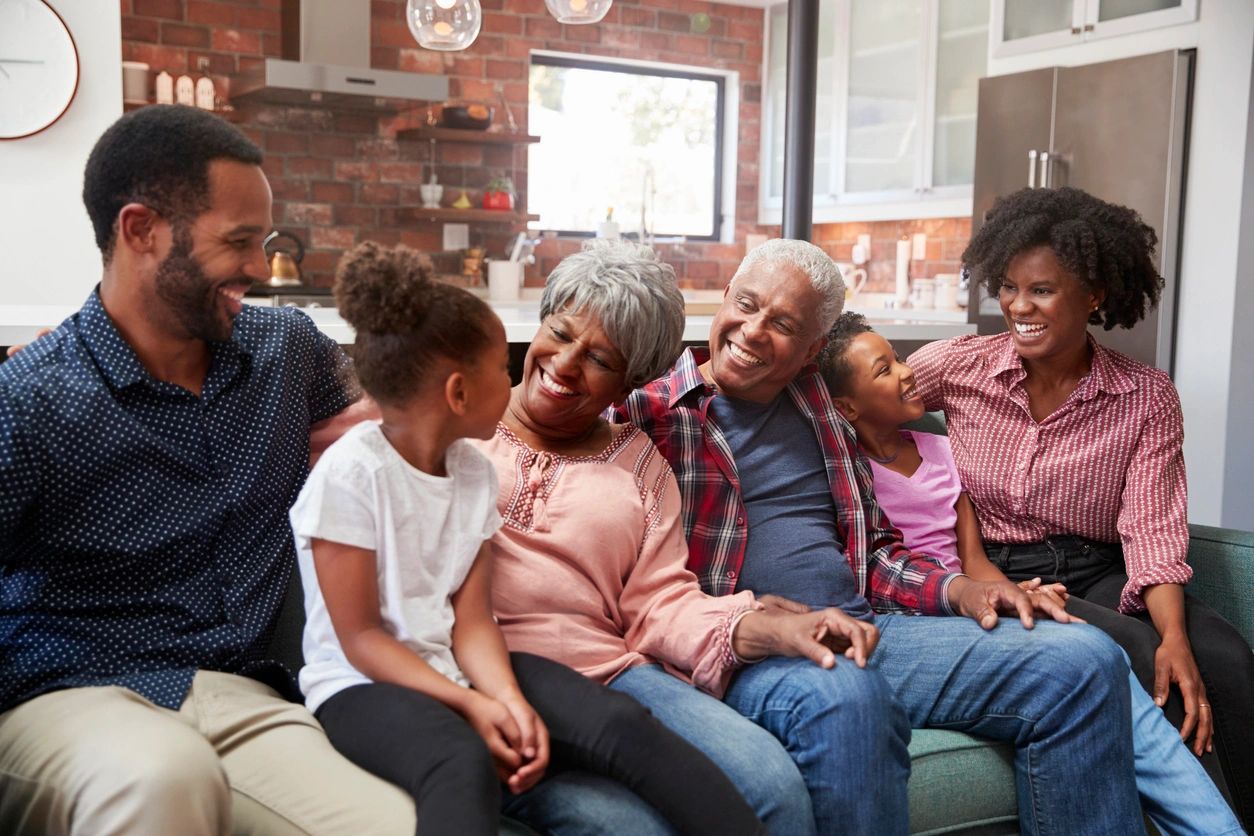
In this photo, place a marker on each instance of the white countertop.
(18, 323)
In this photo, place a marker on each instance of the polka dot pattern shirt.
(143, 529)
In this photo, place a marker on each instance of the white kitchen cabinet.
(1021, 26)
(896, 105)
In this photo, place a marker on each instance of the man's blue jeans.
(1059, 693)
(579, 803)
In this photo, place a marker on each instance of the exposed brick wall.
(946, 239)
(340, 177)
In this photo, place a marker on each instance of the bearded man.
(149, 449)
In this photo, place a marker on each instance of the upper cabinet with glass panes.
(896, 103)
(1021, 26)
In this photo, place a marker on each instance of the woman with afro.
(1071, 454)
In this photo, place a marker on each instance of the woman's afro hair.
(1108, 248)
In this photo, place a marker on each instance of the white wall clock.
(38, 67)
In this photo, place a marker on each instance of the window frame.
(725, 84)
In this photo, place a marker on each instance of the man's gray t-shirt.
(793, 549)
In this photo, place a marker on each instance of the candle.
(903, 272)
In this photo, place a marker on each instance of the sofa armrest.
(1223, 574)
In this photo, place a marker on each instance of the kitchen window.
(645, 142)
(895, 108)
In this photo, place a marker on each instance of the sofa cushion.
(961, 784)
(1223, 574)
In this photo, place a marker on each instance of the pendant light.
(445, 25)
(578, 11)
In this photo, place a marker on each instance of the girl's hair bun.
(382, 289)
(405, 321)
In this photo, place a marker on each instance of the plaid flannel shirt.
(674, 411)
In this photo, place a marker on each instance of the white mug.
(505, 279)
(134, 81)
(855, 280)
(924, 295)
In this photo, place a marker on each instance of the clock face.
(38, 67)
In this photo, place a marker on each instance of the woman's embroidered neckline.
(623, 433)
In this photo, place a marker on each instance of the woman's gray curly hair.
(632, 293)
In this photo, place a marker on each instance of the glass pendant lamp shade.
(578, 11)
(446, 25)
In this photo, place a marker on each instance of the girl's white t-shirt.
(425, 532)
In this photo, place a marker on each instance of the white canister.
(164, 88)
(947, 291)
(924, 295)
(206, 94)
(505, 279)
(608, 229)
(185, 91)
(903, 272)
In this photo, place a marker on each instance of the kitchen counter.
(18, 323)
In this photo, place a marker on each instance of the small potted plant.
(499, 194)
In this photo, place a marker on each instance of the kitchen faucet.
(648, 194)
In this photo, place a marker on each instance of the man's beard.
(188, 293)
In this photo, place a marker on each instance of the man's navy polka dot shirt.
(143, 529)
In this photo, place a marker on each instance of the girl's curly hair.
(833, 362)
(1108, 248)
(405, 321)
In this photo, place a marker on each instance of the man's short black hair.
(158, 156)
(833, 365)
(1106, 246)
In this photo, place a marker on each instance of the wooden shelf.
(450, 215)
(229, 115)
(456, 135)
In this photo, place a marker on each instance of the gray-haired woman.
(590, 564)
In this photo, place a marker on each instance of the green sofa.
(960, 784)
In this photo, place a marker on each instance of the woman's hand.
(817, 635)
(534, 743)
(1174, 662)
(1053, 590)
(1056, 593)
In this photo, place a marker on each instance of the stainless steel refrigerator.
(1118, 130)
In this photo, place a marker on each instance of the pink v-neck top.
(589, 566)
(922, 504)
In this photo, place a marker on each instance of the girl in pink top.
(917, 483)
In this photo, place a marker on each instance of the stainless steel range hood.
(326, 63)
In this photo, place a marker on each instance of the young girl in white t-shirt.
(918, 486)
(404, 665)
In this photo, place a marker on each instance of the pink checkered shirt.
(1106, 465)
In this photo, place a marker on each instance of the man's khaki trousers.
(236, 758)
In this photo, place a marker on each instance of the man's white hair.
(818, 266)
